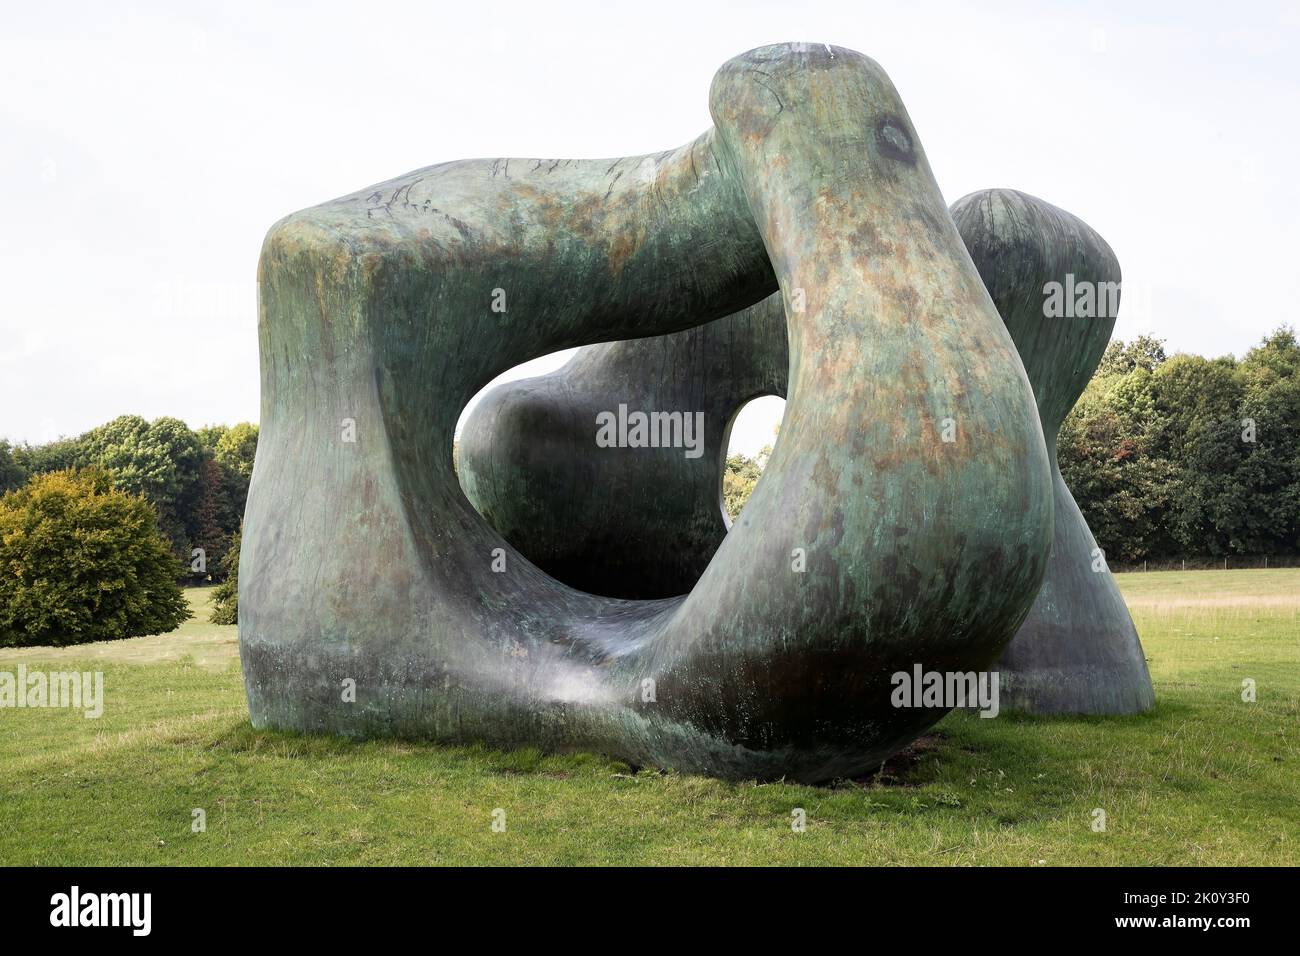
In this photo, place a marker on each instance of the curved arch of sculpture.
(653, 516)
(362, 560)
(1078, 651)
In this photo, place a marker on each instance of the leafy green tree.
(209, 436)
(81, 561)
(1196, 401)
(235, 452)
(52, 456)
(740, 477)
(1143, 352)
(1212, 515)
(159, 460)
(236, 449)
(12, 472)
(225, 596)
(1269, 474)
(216, 516)
(1187, 455)
(738, 481)
(1122, 488)
(1192, 395)
(164, 461)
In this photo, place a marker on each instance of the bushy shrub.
(81, 561)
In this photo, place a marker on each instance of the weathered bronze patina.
(871, 545)
(659, 520)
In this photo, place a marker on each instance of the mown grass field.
(1205, 778)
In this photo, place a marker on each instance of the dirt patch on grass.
(901, 769)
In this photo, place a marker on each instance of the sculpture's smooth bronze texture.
(529, 465)
(871, 545)
(1078, 651)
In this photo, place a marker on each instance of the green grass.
(1203, 779)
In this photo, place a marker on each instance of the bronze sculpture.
(374, 598)
(660, 515)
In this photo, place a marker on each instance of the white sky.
(146, 147)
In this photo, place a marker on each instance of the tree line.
(196, 481)
(1184, 456)
(98, 531)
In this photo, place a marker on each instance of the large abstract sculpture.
(904, 519)
(655, 518)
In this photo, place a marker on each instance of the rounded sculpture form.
(384, 311)
(1055, 283)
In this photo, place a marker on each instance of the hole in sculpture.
(652, 544)
(750, 439)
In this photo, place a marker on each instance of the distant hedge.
(81, 561)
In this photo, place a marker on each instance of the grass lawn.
(1203, 779)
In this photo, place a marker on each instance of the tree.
(1192, 395)
(215, 517)
(738, 482)
(225, 596)
(236, 449)
(1144, 352)
(12, 473)
(740, 478)
(159, 460)
(1105, 458)
(1269, 474)
(1187, 455)
(208, 437)
(164, 461)
(52, 456)
(82, 561)
(1196, 401)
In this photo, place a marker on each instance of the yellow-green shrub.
(81, 561)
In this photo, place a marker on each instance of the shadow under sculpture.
(644, 522)
(363, 564)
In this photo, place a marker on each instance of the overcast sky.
(146, 147)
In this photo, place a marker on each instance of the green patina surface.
(363, 561)
(1078, 651)
(645, 522)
